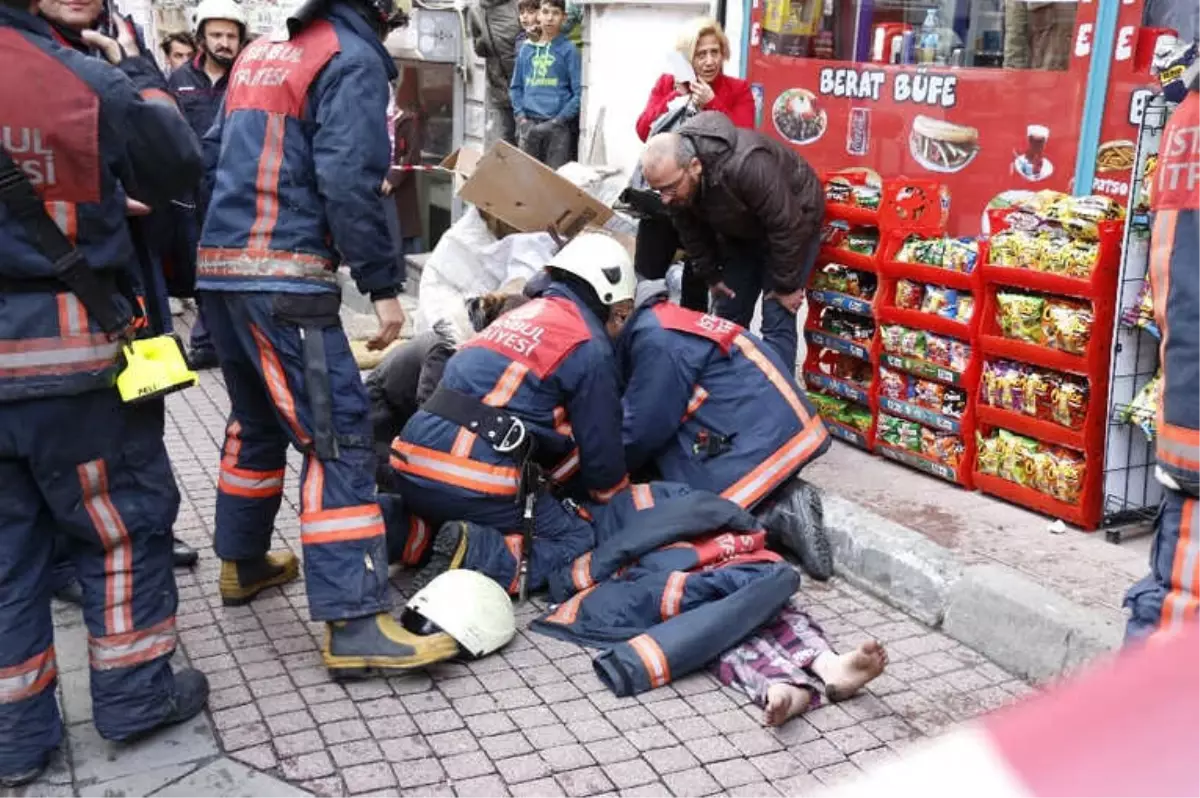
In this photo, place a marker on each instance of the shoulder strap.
(18, 195)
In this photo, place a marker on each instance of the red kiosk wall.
(1000, 104)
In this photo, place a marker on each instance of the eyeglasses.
(672, 188)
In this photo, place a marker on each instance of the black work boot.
(23, 777)
(183, 555)
(376, 645)
(795, 522)
(191, 694)
(449, 551)
(242, 580)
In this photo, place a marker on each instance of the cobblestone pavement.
(533, 720)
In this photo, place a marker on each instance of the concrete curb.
(1021, 625)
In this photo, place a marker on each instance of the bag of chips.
(1014, 463)
(1069, 471)
(1019, 316)
(988, 454)
(1069, 402)
(960, 254)
(909, 295)
(921, 250)
(940, 301)
(1068, 325)
(966, 308)
(893, 384)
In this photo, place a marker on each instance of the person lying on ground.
(708, 405)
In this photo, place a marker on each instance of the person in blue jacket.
(199, 86)
(296, 158)
(707, 404)
(547, 89)
(75, 461)
(542, 377)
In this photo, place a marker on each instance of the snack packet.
(1068, 325)
(1069, 472)
(1014, 463)
(1141, 313)
(960, 254)
(940, 301)
(1143, 410)
(1082, 257)
(921, 250)
(1019, 316)
(892, 334)
(1068, 402)
(937, 349)
(827, 406)
(988, 454)
(862, 240)
(966, 308)
(893, 384)
(856, 417)
(909, 295)
(914, 343)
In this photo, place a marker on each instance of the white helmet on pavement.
(470, 607)
(602, 262)
(218, 9)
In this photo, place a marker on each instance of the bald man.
(748, 211)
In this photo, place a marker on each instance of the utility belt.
(507, 434)
(154, 366)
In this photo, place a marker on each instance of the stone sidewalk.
(532, 720)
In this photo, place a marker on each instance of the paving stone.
(670, 760)
(711, 703)
(522, 768)
(578, 710)
(590, 730)
(733, 772)
(538, 788)
(605, 701)
(694, 781)
(817, 754)
(865, 707)
(329, 787)
(338, 709)
(306, 766)
(461, 687)
(369, 777)
(531, 717)
(649, 738)
(917, 646)
(299, 743)
(631, 718)
(585, 781)
(939, 662)
(344, 731)
(567, 757)
(386, 707)
(428, 701)
(531, 658)
(966, 680)
(227, 778)
(802, 785)
(418, 773)
(672, 709)
(95, 759)
(236, 717)
(549, 736)
(259, 757)
(654, 790)
(485, 725)
(754, 742)
(404, 749)
(630, 773)
(757, 789)
(217, 699)
(360, 692)
(872, 757)
(713, 749)
(516, 698)
(451, 743)
(852, 739)
(391, 727)
(890, 729)
(468, 765)
(280, 704)
(501, 746)
(834, 774)
(433, 722)
(242, 737)
(143, 783)
(358, 752)
(290, 722)
(886, 684)
(411, 683)
(609, 751)
(579, 663)
(776, 766)
(489, 786)
(475, 705)
(732, 721)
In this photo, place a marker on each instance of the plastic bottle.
(928, 48)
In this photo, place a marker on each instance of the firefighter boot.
(191, 694)
(242, 580)
(449, 551)
(795, 522)
(376, 645)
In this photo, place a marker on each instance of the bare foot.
(846, 674)
(784, 702)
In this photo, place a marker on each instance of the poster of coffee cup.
(942, 146)
(1032, 164)
(798, 117)
(1115, 156)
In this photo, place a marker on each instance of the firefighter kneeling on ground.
(537, 389)
(296, 157)
(75, 460)
(1170, 596)
(709, 405)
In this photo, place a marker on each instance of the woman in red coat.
(703, 44)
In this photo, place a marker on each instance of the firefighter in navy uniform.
(538, 387)
(74, 459)
(1170, 596)
(296, 158)
(708, 405)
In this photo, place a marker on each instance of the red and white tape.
(1130, 727)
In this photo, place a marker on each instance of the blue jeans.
(745, 273)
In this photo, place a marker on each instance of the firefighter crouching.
(297, 155)
(1170, 596)
(709, 405)
(537, 388)
(74, 459)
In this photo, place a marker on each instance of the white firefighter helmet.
(470, 607)
(218, 9)
(602, 262)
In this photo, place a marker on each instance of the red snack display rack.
(1093, 364)
(966, 380)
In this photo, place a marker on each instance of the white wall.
(627, 50)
